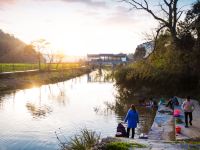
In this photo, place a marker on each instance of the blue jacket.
(133, 118)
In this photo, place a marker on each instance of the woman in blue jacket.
(133, 118)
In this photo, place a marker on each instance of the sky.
(79, 27)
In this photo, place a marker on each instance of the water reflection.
(1, 103)
(100, 76)
(38, 111)
(124, 99)
(30, 117)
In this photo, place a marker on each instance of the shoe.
(191, 123)
(186, 127)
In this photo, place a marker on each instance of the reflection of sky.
(72, 107)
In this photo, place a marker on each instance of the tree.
(189, 32)
(40, 45)
(168, 7)
(193, 19)
(59, 59)
(50, 56)
(139, 54)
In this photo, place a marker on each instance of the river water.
(31, 118)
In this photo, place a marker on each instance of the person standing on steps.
(132, 117)
(188, 108)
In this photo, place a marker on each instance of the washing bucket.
(177, 113)
(178, 129)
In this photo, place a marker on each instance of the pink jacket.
(188, 106)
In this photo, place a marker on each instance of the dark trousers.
(186, 117)
(133, 132)
(170, 104)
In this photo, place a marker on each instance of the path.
(163, 125)
(7, 74)
(161, 145)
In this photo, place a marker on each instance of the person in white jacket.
(188, 108)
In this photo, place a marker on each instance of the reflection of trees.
(100, 76)
(124, 99)
(146, 119)
(59, 96)
(2, 99)
(1, 103)
(38, 111)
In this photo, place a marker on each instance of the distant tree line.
(13, 50)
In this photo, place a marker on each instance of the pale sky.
(78, 27)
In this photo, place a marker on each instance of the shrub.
(83, 141)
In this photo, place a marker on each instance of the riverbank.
(141, 144)
(162, 134)
(13, 81)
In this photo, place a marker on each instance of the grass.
(123, 146)
(88, 140)
(11, 67)
(22, 81)
(83, 141)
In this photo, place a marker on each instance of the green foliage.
(139, 53)
(123, 146)
(10, 67)
(168, 67)
(83, 141)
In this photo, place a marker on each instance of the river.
(31, 118)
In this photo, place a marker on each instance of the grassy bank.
(11, 67)
(90, 140)
(21, 81)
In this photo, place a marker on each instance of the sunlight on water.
(29, 118)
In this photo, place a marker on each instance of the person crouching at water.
(132, 118)
(188, 108)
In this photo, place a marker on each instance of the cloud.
(96, 3)
(121, 16)
(88, 2)
(5, 2)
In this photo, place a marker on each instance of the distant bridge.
(107, 59)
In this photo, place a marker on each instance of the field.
(11, 67)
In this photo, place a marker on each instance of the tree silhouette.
(167, 7)
(40, 45)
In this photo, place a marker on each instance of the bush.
(83, 141)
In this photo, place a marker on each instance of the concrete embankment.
(163, 125)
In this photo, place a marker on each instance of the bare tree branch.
(138, 5)
(169, 7)
(161, 6)
(181, 12)
(166, 2)
(157, 33)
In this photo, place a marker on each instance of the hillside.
(13, 50)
